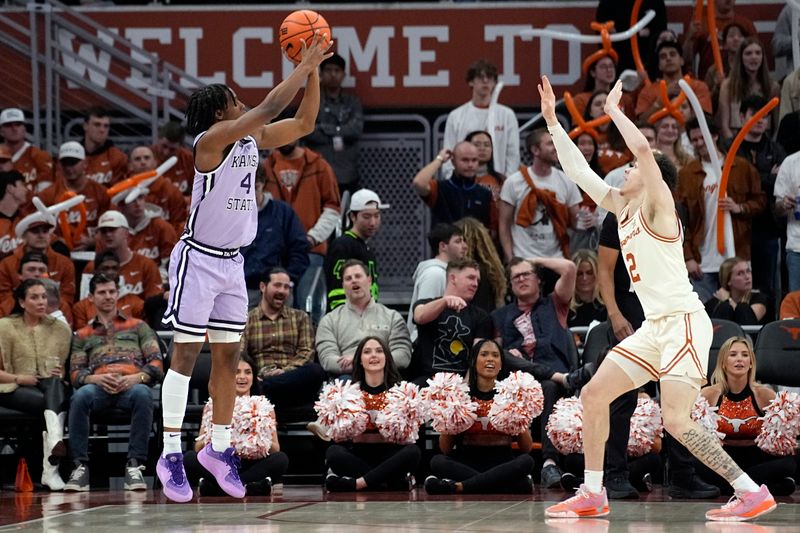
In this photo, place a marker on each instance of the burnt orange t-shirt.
(154, 241)
(36, 165)
(107, 167)
(139, 276)
(8, 237)
(173, 206)
(182, 174)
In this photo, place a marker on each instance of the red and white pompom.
(404, 413)
(451, 409)
(341, 409)
(706, 416)
(565, 426)
(646, 425)
(781, 425)
(252, 426)
(519, 399)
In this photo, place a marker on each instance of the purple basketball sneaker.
(224, 466)
(173, 477)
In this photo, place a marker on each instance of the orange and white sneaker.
(744, 506)
(584, 504)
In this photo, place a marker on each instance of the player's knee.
(676, 423)
(593, 396)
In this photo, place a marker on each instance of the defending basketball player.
(672, 345)
(207, 287)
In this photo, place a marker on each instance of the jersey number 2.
(631, 260)
(245, 184)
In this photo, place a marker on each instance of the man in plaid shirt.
(280, 340)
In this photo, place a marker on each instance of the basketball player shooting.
(206, 276)
(672, 345)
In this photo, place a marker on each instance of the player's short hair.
(481, 66)
(442, 233)
(99, 278)
(669, 172)
(203, 104)
(458, 265)
(272, 271)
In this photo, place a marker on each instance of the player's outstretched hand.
(548, 102)
(613, 98)
(317, 51)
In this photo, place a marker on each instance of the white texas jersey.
(656, 267)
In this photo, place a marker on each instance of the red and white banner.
(410, 56)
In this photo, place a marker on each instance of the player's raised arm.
(572, 160)
(657, 193)
(255, 121)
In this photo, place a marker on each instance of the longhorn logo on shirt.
(73, 217)
(103, 178)
(8, 244)
(129, 288)
(289, 177)
(150, 253)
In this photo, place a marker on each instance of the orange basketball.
(301, 25)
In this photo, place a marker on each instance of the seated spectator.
(670, 66)
(148, 235)
(129, 304)
(71, 177)
(161, 193)
(790, 306)
(364, 215)
(749, 75)
(460, 196)
(280, 341)
(491, 292)
(741, 402)
(698, 192)
(33, 350)
(260, 470)
(105, 163)
(475, 115)
(280, 242)
(735, 299)
(481, 460)
(114, 362)
(138, 275)
(368, 462)
(448, 326)
(586, 305)
(533, 332)
(430, 277)
(341, 330)
(36, 232)
(669, 141)
(53, 297)
(13, 195)
(170, 143)
(35, 165)
(787, 190)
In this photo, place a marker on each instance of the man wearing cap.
(35, 164)
(129, 304)
(340, 123)
(13, 195)
(35, 231)
(170, 143)
(105, 163)
(161, 192)
(302, 178)
(138, 274)
(365, 220)
(72, 178)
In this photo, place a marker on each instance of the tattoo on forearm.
(707, 448)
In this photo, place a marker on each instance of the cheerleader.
(741, 402)
(260, 468)
(368, 461)
(481, 459)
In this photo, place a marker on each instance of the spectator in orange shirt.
(129, 305)
(170, 142)
(34, 265)
(150, 236)
(105, 163)
(36, 232)
(35, 164)
(73, 178)
(161, 193)
(670, 65)
(13, 194)
(138, 274)
(6, 165)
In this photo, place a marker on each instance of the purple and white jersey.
(223, 212)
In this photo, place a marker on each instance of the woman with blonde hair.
(480, 247)
(587, 304)
(669, 141)
(741, 402)
(735, 299)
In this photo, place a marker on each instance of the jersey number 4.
(246, 183)
(631, 260)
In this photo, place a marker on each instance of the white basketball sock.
(220, 437)
(744, 483)
(174, 393)
(593, 479)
